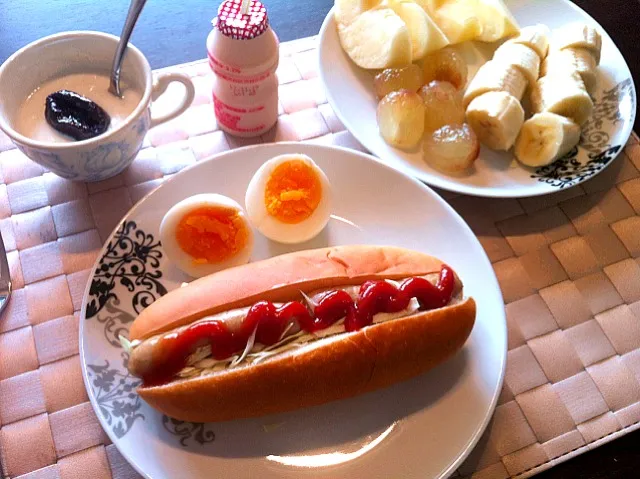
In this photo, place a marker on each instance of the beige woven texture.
(567, 264)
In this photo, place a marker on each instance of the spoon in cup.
(135, 8)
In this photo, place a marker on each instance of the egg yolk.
(211, 234)
(293, 192)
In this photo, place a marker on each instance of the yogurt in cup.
(83, 57)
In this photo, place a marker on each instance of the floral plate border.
(595, 150)
(131, 260)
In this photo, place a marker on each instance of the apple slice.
(376, 39)
(426, 36)
(429, 6)
(346, 11)
(496, 21)
(458, 20)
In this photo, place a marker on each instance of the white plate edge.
(468, 448)
(462, 188)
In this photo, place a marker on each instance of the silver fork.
(5, 278)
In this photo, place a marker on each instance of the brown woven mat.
(567, 264)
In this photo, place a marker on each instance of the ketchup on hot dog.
(270, 322)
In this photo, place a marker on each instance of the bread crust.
(349, 364)
(279, 279)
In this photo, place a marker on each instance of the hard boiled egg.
(205, 233)
(289, 199)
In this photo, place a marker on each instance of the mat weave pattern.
(568, 265)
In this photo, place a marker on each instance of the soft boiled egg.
(205, 233)
(289, 199)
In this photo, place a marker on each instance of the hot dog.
(297, 330)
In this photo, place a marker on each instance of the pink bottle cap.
(234, 24)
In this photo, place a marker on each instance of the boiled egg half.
(289, 199)
(205, 233)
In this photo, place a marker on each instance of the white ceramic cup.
(106, 155)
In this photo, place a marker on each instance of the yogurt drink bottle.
(243, 54)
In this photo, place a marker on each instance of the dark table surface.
(171, 32)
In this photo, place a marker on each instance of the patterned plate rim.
(194, 428)
(550, 174)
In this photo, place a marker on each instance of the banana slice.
(571, 59)
(544, 138)
(496, 76)
(564, 94)
(346, 11)
(577, 35)
(496, 21)
(496, 118)
(535, 37)
(376, 39)
(521, 57)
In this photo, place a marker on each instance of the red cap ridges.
(232, 23)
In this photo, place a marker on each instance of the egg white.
(185, 261)
(273, 228)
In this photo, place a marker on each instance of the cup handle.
(160, 85)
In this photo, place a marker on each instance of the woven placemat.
(567, 264)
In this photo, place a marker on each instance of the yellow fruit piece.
(447, 65)
(496, 21)
(395, 79)
(400, 117)
(346, 11)
(426, 36)
(458, 20)
(429, 6)
(376, 39)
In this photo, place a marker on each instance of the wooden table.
(175, 32)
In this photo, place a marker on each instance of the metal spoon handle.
(135, 8)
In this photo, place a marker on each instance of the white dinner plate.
(420, 428)
(497, 174)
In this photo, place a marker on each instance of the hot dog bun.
(327, 370)
(279, 279)
(333, 368)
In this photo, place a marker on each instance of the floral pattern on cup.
(103, 156)
(97, 162)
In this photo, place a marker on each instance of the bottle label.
(230, 116)
(236, 74)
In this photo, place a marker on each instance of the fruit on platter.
(496, 76)
(577, 35)
(521, 57)
(394, 79)
(372, 42)
(571, 59)
(400, 117)
(496, 21)
(544, 138)
(560, 99)
(496, 117)
(458, 20)
(424, 93)
(451, 149)
(426, 36)
(535, 37)
(445, 65)
(442, 105)
(563, 93)
(376, 39)
(346, 11)
(492, 99)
